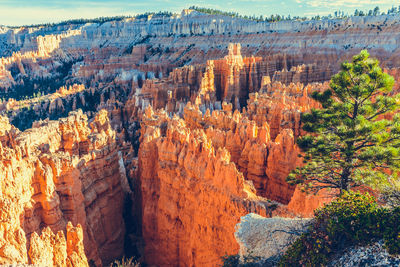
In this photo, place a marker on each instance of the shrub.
(352, 219)
(125, 262)
(391, 231)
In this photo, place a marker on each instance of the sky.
(26, 12)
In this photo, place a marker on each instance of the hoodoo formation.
(58, 173)
(152, 136)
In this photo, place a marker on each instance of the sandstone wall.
(198, 25)
(159, 44)
(192, 194)
(264, 161)
(59, 172)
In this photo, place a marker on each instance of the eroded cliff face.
(191, 169)
(57, 173)
(281, 105)
(192, 194)
(50, 249)
(295, 51)
(38, 48)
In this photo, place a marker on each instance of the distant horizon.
(23, 12)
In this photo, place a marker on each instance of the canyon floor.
(151, 137)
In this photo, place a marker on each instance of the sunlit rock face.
(60, 172)
(50, 249)
(267, 238)
(192, 194)
(163, 131)
(193, 167)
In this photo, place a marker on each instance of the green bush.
(391, 231)
(352, 219)
(125, 262)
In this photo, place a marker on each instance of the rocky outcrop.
(304, 204)
(267, 238)
(54, 100)
(59, 172)
(231, 79)
(57, 105)
(50, 249)
(235, 77)
(304, 74)
(281, 105)
(37, 48)
(192, 194)
(216, 156)
(263, 161)
(371, 255)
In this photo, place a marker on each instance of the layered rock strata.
(158, 44)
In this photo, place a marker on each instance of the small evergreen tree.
(376, 11)
(355, 138)
(370, 12)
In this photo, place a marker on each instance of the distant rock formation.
(295, 51)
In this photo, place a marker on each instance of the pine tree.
(351, 140)
(376, 11)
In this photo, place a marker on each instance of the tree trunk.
(344, 180)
